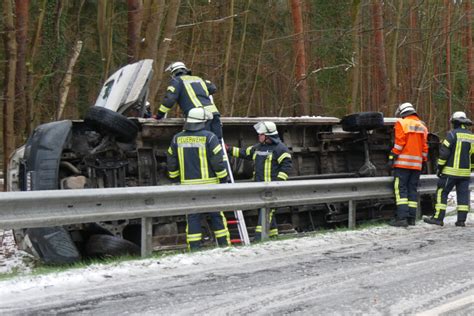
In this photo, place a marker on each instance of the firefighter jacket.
(189, 92)
(196, 157)
(455, 154)
(411, 143)
(272, 162)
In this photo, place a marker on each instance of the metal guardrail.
(61, 207)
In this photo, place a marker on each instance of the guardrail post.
(146, 236)
(352, 215)
(265, 225)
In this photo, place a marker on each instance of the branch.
(212, 21)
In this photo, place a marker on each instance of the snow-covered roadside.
(19, 261)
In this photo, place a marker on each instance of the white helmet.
(266, 127)
(198, 115)
(177, 65)
(460, 117)
(405, 109)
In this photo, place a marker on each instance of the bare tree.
(356, 27)
(22, 14)
(104, 26)
(469, 55)
(134, 26)
(66, 83)
(168, 33)
(300, 53)
(393, 95)
(228, 52)
(153, 11)
(447, 32)
(380, 75)
(9, 85)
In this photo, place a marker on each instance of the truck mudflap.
(53, 245)
(42, 159)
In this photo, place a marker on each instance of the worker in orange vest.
(407, 156)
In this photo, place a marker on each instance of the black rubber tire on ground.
(109, 122)
(363, 120)
(104, 246)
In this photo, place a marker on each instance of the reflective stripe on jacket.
(189, 92)
(455, 154)
(411, 143)
(272, 162)
(196, 157)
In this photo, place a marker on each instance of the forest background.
(267, 57)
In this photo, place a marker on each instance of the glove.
(439, 172)
(227, 148)
(158, 116)
(391, 160)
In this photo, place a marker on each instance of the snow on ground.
(13, 260)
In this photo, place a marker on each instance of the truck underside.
(78, 154)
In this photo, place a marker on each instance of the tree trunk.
(105, 31)
(447, 31)
(469, 56)
(356, 27)
(66, 83)
(228, 52)
(257, 67)
(239, 59)
(379, 56)
(300, 54)
(168, 33)
(135, 11)
(9, 84)
(22, 18)
(153, 11)
(394, 89)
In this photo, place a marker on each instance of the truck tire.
(112, 123)
(363, 120)
(104, 246)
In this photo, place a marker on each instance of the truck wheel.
(363, 120)
(109, 122)
(103, 246)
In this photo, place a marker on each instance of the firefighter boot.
(461, 221)
(433, 221)
(396, 222)
(411, 221)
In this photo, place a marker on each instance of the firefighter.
(454, 169)
(190, 92)
(410, 150)
(272, 162)
(195, 156)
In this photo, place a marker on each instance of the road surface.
(381, 270)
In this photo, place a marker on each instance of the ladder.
(239, 216)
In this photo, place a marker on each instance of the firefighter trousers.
(194, 229)
(273, 230)
(215, 126)
(445, 185)
(406, 195)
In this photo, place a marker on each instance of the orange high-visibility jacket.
(411, 143)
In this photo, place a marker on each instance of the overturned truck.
(111, 149)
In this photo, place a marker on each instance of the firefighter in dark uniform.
(272, 162)
(409, 152)
(454, 169)
(190, 92)
(195, 156)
